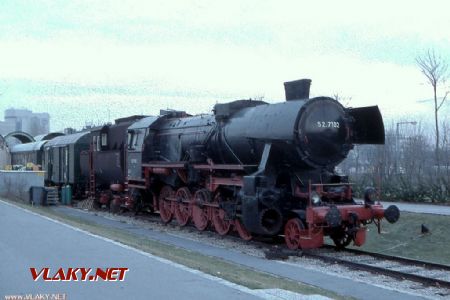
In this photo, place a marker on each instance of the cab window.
(131, 140)
(104, 139)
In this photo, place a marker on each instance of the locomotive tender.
(105, 162)
(257, 168)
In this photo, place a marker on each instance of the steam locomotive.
(257, 168)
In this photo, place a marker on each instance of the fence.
(16, 184)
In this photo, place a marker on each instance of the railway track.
(425, 273)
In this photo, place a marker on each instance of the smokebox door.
(368, 127)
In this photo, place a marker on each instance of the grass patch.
(404, 238)
(235, 273)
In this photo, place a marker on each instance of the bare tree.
(344, 100)
(435, 69)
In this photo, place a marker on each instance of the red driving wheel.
(242, 231)
(221, 224)
(182, 207)
(200, 214)
(219, 217)
(165, 206)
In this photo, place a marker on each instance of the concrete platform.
(420, 208)
(32, 241)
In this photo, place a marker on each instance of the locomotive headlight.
(315, 198)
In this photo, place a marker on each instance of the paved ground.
(421, 208)
(43, 243)
(28, 240)
(342, 286)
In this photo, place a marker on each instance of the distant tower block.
(25, 120)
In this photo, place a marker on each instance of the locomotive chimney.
(297, 89)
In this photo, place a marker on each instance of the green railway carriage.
(62, 161)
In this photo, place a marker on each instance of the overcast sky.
(87, 61)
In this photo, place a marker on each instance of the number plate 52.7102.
(327, 124)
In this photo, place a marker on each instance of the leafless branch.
(443, 100)
(433, 67)
(336, 97)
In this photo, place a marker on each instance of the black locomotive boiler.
(262, 169)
